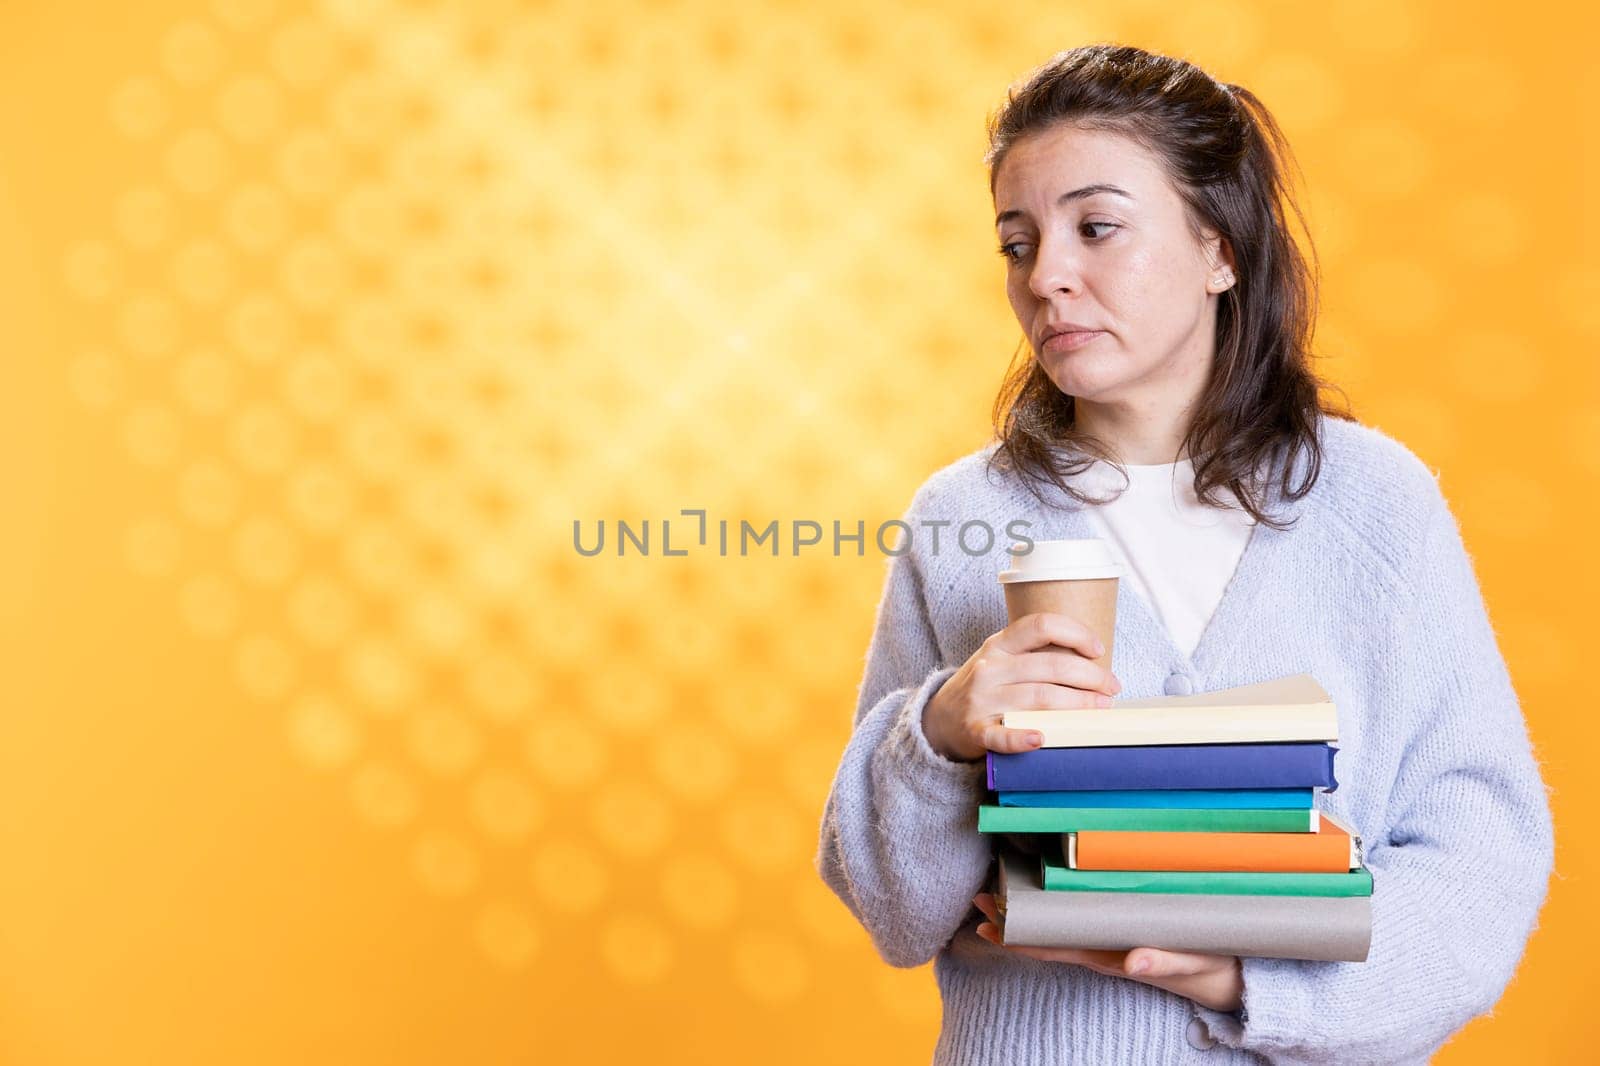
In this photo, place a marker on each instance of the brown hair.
(1225, 154)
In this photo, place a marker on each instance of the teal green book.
(1060, 879)
(993, 818)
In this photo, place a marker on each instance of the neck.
(1135, 434)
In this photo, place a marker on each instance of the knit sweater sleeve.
(899, 841)
(1461, 869)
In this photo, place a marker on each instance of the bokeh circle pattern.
(331, 328)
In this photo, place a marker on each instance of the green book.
(1060, 879)
(993, 818)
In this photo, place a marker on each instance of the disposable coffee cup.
(1077, 578)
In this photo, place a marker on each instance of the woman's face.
(1123, 263)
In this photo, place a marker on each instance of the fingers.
(1004, 675)
(1042, 629)
(1066, 668)
(1039, 696)
(997, 738)
(1203, 978)
(1041, 681)
(1187, 974)
(1050, 675)
(1147, 963)
(989, 930)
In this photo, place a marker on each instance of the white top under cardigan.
(1177, 551)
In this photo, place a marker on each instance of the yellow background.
(323, 322)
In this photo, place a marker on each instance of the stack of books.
(1180, 822)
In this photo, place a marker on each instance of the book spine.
(1162, 767)
(993, 818)
(1349, 883)
(1239, 798)
(1240, 726)
(1326, 851)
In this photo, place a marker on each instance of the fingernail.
(1035, 739)
(1102, 700)
(1099, 647)
(1140, 966)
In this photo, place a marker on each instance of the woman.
(1141, 216)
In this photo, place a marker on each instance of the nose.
(1055, 269)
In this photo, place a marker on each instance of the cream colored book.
(1293, 708)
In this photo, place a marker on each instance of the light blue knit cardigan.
(1373, 593)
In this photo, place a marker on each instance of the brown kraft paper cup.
(1076, 577)
(1092, 601)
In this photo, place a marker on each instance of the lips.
(1068, 340)
(1052, 328)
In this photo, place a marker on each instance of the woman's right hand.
(1039, 662)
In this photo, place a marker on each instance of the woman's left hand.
(1215, 981)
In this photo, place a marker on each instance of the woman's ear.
(1219, 253)
(1220, 271)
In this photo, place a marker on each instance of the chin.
(1086, 382)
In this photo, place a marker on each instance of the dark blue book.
(1186, 766)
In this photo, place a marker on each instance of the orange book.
(1331, 849)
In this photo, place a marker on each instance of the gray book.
(1322, 928)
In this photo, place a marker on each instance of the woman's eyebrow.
(1068, 197)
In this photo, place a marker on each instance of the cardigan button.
(1179, 685)
(1199, 1036)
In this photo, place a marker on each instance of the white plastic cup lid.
(1085, 559)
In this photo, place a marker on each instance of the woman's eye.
(1006, 248)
